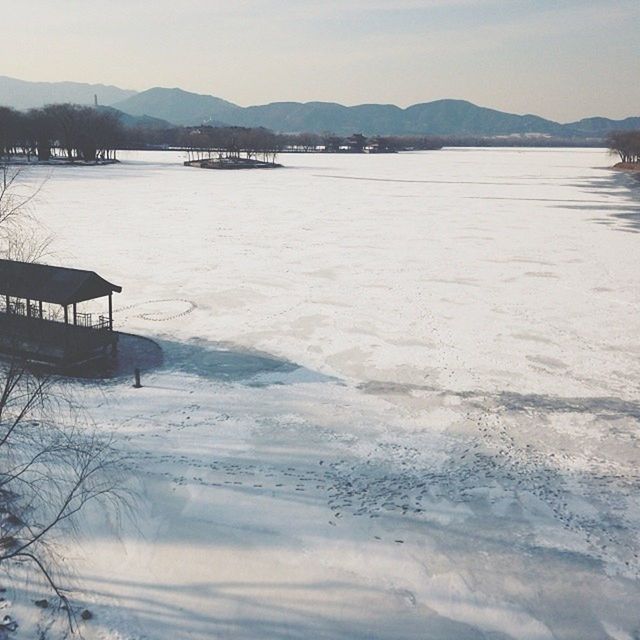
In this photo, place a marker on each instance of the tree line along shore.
(77, 133)
(627, 145)
(71, 133)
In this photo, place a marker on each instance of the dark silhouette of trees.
(85, 133)
(65, 119)
(332, 143)
(80, 132)
(10, 126)
(357, 143)
(306, 142)
(76, 133)
(232, 143)
(626, 144)
(41, 132)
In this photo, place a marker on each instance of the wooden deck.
(53, 342)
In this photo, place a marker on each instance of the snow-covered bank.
(442, 441)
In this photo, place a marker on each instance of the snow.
(399, 397)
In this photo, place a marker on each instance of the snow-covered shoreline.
(442, 441)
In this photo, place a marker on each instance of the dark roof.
(58, 285)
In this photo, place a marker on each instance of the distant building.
(356, 143)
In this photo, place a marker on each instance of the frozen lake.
(486, 269)
(399, 399)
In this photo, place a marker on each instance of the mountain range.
(176, 106)
(21, 94)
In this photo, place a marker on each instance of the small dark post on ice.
(136, 373)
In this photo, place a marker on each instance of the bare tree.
(9, 127)
(21, 238)
(626, 144)
(39, 130)
(50, 468)
(67, 123)
(100, 134)
(240, 145)
(52, 462)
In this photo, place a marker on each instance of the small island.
(231, 162)
(231, 148)
(627, 145)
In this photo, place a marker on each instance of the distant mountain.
(128, 120)
(439, 118)
(443, 117)
(600, 126)
(179, 107)
(459, 117)
(21, 94)
(159, 106)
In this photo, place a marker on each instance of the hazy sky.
(563, 59)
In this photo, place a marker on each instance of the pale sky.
(561, 59)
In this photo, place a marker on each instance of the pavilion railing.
(102, 323)
(87, 320)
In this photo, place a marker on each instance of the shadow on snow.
(214, 361)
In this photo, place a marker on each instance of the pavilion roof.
(46, 283)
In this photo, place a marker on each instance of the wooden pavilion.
(60, 334)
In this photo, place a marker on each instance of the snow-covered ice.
(399, 398)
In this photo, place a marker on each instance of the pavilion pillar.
(28, 308)
(66, 332)
(40, 308)
(75, 313)
(110, 312)
(7, 303)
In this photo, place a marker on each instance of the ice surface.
(399, 398)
